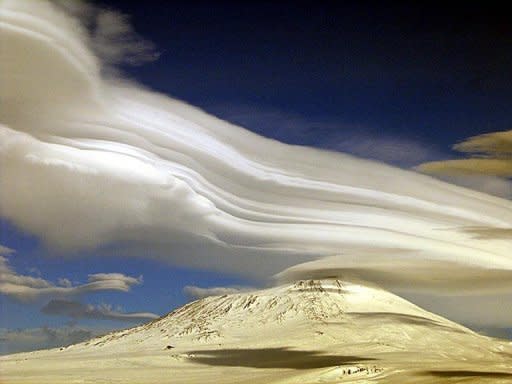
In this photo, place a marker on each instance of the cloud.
(28, 288)
(489, 167)
(479, 298)
(404, 270)
(123, 281)
(63, 282)
(5, 251)
(498, 144)
(398, 151)
(476, 311)
(472, 166)
(329, 133)
(22, 340)
(107, 33)
(497, 186)
(77, 310)
(90, 162)
(195, 292)
(490, 233)
(34, 271)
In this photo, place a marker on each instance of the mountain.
(311, 331)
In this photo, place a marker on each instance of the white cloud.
(93, 163)
(77, 310)
(28, 288)
(404, 270)
(476, 297)
(195, 292)
(122, 280)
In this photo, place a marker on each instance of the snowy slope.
(310, 331)
(311, 302)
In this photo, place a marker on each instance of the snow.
(311, 331)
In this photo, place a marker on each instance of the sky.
(118, 204)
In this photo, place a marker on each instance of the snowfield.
(311, 331)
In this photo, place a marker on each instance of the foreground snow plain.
(311, 331)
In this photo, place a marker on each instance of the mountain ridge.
(309, 331)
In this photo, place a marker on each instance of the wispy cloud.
(488, 167)
(490, 233)
(409, 272)
(77, 310)
(63, 282)
(195, 292)
(493, 185)
(372, 143)
(5, 250)
(474, 296)
(110, 34)
(28, 288)
(330, 133)
(99, 163)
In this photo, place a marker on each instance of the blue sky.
(426, 73)
(161, 291)
(398, 84)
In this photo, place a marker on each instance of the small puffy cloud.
(195, 292)
(28, 288)
(77, 310)
(23, 340)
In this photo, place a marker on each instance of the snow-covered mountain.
(310, 331)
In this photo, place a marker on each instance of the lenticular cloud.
(89, 162)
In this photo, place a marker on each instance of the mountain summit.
(311, 331)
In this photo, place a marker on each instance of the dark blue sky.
(429, 73)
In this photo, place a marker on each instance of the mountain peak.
(332, 330)
(308, 303)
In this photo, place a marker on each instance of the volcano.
(310, 331)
